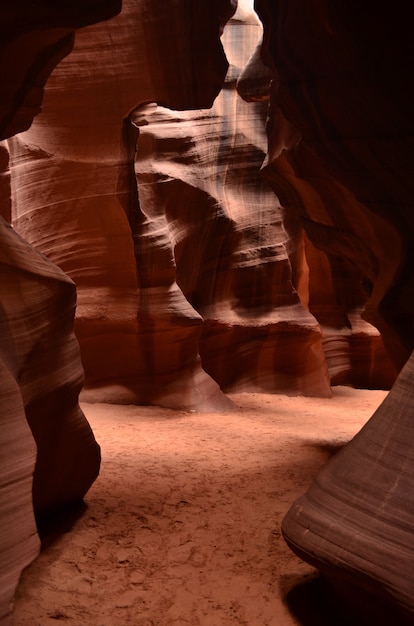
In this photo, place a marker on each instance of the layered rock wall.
(48, 455)
(190, 264)
(186, 265)
(202, 199)
(340, 138)
(75, 167)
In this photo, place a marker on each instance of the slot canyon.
(206, 369)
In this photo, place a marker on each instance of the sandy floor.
(183, 525)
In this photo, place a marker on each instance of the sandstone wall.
(190, 274)
(340, 136)
(48, 455)
(190, 264)
(75, 167)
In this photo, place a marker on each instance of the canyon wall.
(203, 257)
(192, 276)
(340, 139)
(75, 167)
(48, 455)
(209, 226)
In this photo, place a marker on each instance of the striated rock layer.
(41, 356)
(75, 167)
(356, 521)
(340, 156)
(48, 455)
(208, 222)
(201, 279)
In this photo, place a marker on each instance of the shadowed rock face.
(202, 266)
(46, 34)
(340, 155)
(48, 455)
(349, 100)
(339, 148)
(75, 166)
(208, 222)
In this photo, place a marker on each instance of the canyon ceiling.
(197, 202)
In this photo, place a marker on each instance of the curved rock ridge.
(19, 542)
(249, 288)
(48, 454)
(209, 222)
(41, 354)
(349, 100)
(340, 156)
(75, 167)
(356, 523)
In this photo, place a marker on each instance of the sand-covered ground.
(182, 527)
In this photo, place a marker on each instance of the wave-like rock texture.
(19, 543)
(206, 262)
(340, 155)
(41, 354)
(356, 521)
(208, 221)
(236, 285)
(48, 454)
(74, 167)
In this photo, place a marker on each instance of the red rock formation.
(356, 522)
(338, 163)
(19, 543)
(144, 311)
(41, 354)
(74, 167)
(209, 222)
(343, 162)
(48, 455)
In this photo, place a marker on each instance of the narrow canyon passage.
(182, 526)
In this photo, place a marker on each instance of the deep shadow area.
(52, 525)
(328, 449)
(313, 602)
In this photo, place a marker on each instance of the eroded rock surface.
(356, 522)
(75, 167)
(48, 455)
(208, 222)
(340, 155)
(232, 268)
(202, 279)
